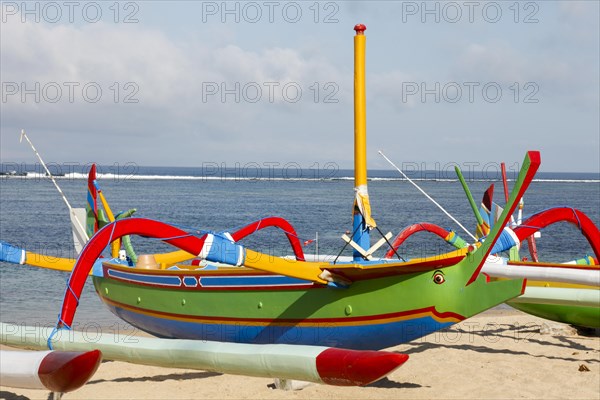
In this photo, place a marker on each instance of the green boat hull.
(588, 317)
(251, 307)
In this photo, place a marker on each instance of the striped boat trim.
(441, 317)
(185, 280)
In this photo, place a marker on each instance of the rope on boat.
(577, 218)
(389, 244)
(428, 196)
(345, 245)
(60, 322)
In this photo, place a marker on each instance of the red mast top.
(360, 29)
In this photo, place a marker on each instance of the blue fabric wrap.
(225, 251)
(10, 253)
(504, 242)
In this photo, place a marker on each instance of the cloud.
(560, 78)
(171, 85)
(253, 92)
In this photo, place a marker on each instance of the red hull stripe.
(347, 321)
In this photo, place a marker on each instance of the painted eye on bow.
(438, 278)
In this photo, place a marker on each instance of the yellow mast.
(362, 220)
(360, 108)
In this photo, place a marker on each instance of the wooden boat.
(255, 298)
(361, 304)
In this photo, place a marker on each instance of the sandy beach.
(496, 355)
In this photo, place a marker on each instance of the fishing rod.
(426, 195)
(74, 217)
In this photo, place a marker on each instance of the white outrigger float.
(56, 371)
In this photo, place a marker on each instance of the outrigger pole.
(362, 220)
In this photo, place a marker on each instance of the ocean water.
(33, 216)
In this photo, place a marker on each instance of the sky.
(155, 83)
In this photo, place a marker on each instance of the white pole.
(582, 276)
(428, 196)
(71, 211)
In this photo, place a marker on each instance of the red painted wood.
(130, 226)
(356, 368)
(65, 371)
(411, 230)
(276, 222)
(561, 214)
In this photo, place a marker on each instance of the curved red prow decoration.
(561, 214)
(411, 230)
(154, 229)
(277, 222)
(93, 249)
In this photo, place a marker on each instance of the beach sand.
(496, 355)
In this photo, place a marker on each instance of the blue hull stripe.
(253, 281)
(190, 281)
(227, 281)
(148, 279)
(360, 337)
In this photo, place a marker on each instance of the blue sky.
(182, 83)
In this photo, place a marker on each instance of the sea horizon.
(276, 171)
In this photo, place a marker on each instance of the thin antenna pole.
(428, 196)
(71, 211)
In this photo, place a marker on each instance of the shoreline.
(496, 354)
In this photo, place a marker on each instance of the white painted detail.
(228, 236)
(79, 236)
(514, 236)
(208, 242)
(547, 274)
(355, 246)
(240, 259)
(19, 369)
